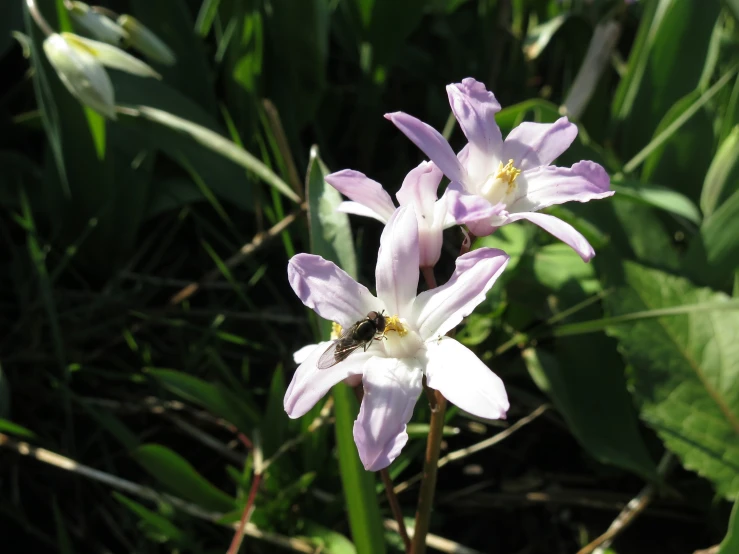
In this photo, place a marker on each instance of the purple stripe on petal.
(438, 311)
(396, 274)
(328, 290)
(472, 210)
(391, 388)
(551, 185)
(563, 231)
(475, 108)
(531, 145)
(456, 372)
(361, 189)
(430, 141)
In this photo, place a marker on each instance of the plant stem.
(430, 466)
(38, 18)
(395, 508)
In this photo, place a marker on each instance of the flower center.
(393, 323)
(500, 184)
(336, 330)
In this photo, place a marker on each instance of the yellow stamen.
(393, 323)
(508, 173)
(335, 330)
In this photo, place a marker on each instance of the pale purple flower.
(418, 189)
(414, 345)
(496, 181)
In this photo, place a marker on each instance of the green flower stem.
(430, 467)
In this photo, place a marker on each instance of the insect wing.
(338, 350)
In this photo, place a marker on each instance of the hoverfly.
(361, 334)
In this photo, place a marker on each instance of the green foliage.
(684, 370)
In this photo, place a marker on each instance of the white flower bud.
(98, 25)
(112, 56)
(146, 41)
(82, 74)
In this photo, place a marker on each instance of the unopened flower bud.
(145, 41)
(111, 56)
(98, 25)
(82, 74)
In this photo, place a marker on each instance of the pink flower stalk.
(413, 344)
(418, 189)
(496, 181)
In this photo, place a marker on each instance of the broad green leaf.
(212, 141)
(154, 523)
(543, 112)
(665, 64)
(682, 159)
(685, 371)
(213, 398)
(176, 473)
(557, 264)
(328, 540)
(662, 198)
(722, 179)
(358, 485)
(330, 232)
(585, 381)
(513, 239)
(713, 256)
(730, 544)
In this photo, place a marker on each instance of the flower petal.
(456, 372)
(550, 185)
(396, 274)
(310, 384)
(300, 355)
(430, 141)
(471, 209)
(563, 231)
(356, 208)
(420, 188)
(112, 56)
(363, 190)
(391, 388)
(475, 108)
(329, 291)
(438, 311)
(531, 145)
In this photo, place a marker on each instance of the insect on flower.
(361, 334)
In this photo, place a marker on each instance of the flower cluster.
(493, 182)
(80, 62)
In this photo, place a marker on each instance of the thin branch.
(61, 462)
(487, 443)
(435, 541)
(249, 506)
(259, 240)
(207, 440)
(630, 512)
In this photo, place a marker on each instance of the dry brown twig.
(67, 464)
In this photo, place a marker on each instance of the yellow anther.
(335, 330)
(508, 174)
(393, 323)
